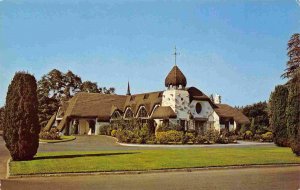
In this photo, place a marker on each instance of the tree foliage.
(293, 113)
(277, 112)
(89, 86)
(21, 126)
(258, 112)
(293, 63)
(57, 87)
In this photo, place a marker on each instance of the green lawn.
(63, 139)
(151, 159)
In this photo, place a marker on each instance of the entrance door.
(199, 126)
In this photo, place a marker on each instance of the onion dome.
(175, 78)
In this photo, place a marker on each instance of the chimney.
(217, 99)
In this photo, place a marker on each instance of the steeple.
(128, 89)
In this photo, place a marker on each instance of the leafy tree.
(110, 90)
(278, 104)
(253, 126)
(293, 63)
(1, 118)
(293, 113)
(50, 93)
(258, 111)
(88, 86)
(57, 87)
(21, 126)
(71, 85)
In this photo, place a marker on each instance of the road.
(227, 179)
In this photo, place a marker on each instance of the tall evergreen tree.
(1, 118)
(293, 63)
(293, 113)
(278, 104)
(21, 128)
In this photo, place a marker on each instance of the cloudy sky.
(234, 48)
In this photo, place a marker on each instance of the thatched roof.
(226, 111)
(148, 100)
(163, 112)
(196, 94)
(175, 78)
(91, 105)
(50, 122)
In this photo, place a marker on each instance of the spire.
(128, 89)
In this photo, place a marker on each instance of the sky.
(235, 48)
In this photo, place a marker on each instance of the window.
(116, 115)
(198, 108)
(142, 112)
(128, 113)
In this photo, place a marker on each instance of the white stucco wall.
(178, 100)
(217, 121)
(206, 111)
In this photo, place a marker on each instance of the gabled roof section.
(92, 105)
(226, 111)
(175, 77)
(137, 100)
(50, 122)
(163, 112)
(196, 94)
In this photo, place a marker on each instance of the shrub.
(171, 136)
(113, 133)
(125, 136)
(222, 140)
(53, 134)
(21, 127)
(267, 137)
(211, 134)
(188, 138)
(248, 135)
(232, 139)
(162, 138)
(200, 139)
(105, 130)
(256, 137)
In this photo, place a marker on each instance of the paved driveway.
(99, 142)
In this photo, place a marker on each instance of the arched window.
(128, 114)
(142, 112)
(116, 115)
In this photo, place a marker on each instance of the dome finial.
(175, 54)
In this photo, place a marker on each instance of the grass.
(61, 162)
(63, 139)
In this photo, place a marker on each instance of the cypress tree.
(293, 113)
(21, 129)
(278, 104)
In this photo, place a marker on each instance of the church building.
(85, 113)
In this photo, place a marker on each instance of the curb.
(192, 145)
(60, 141)
(150, 171)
